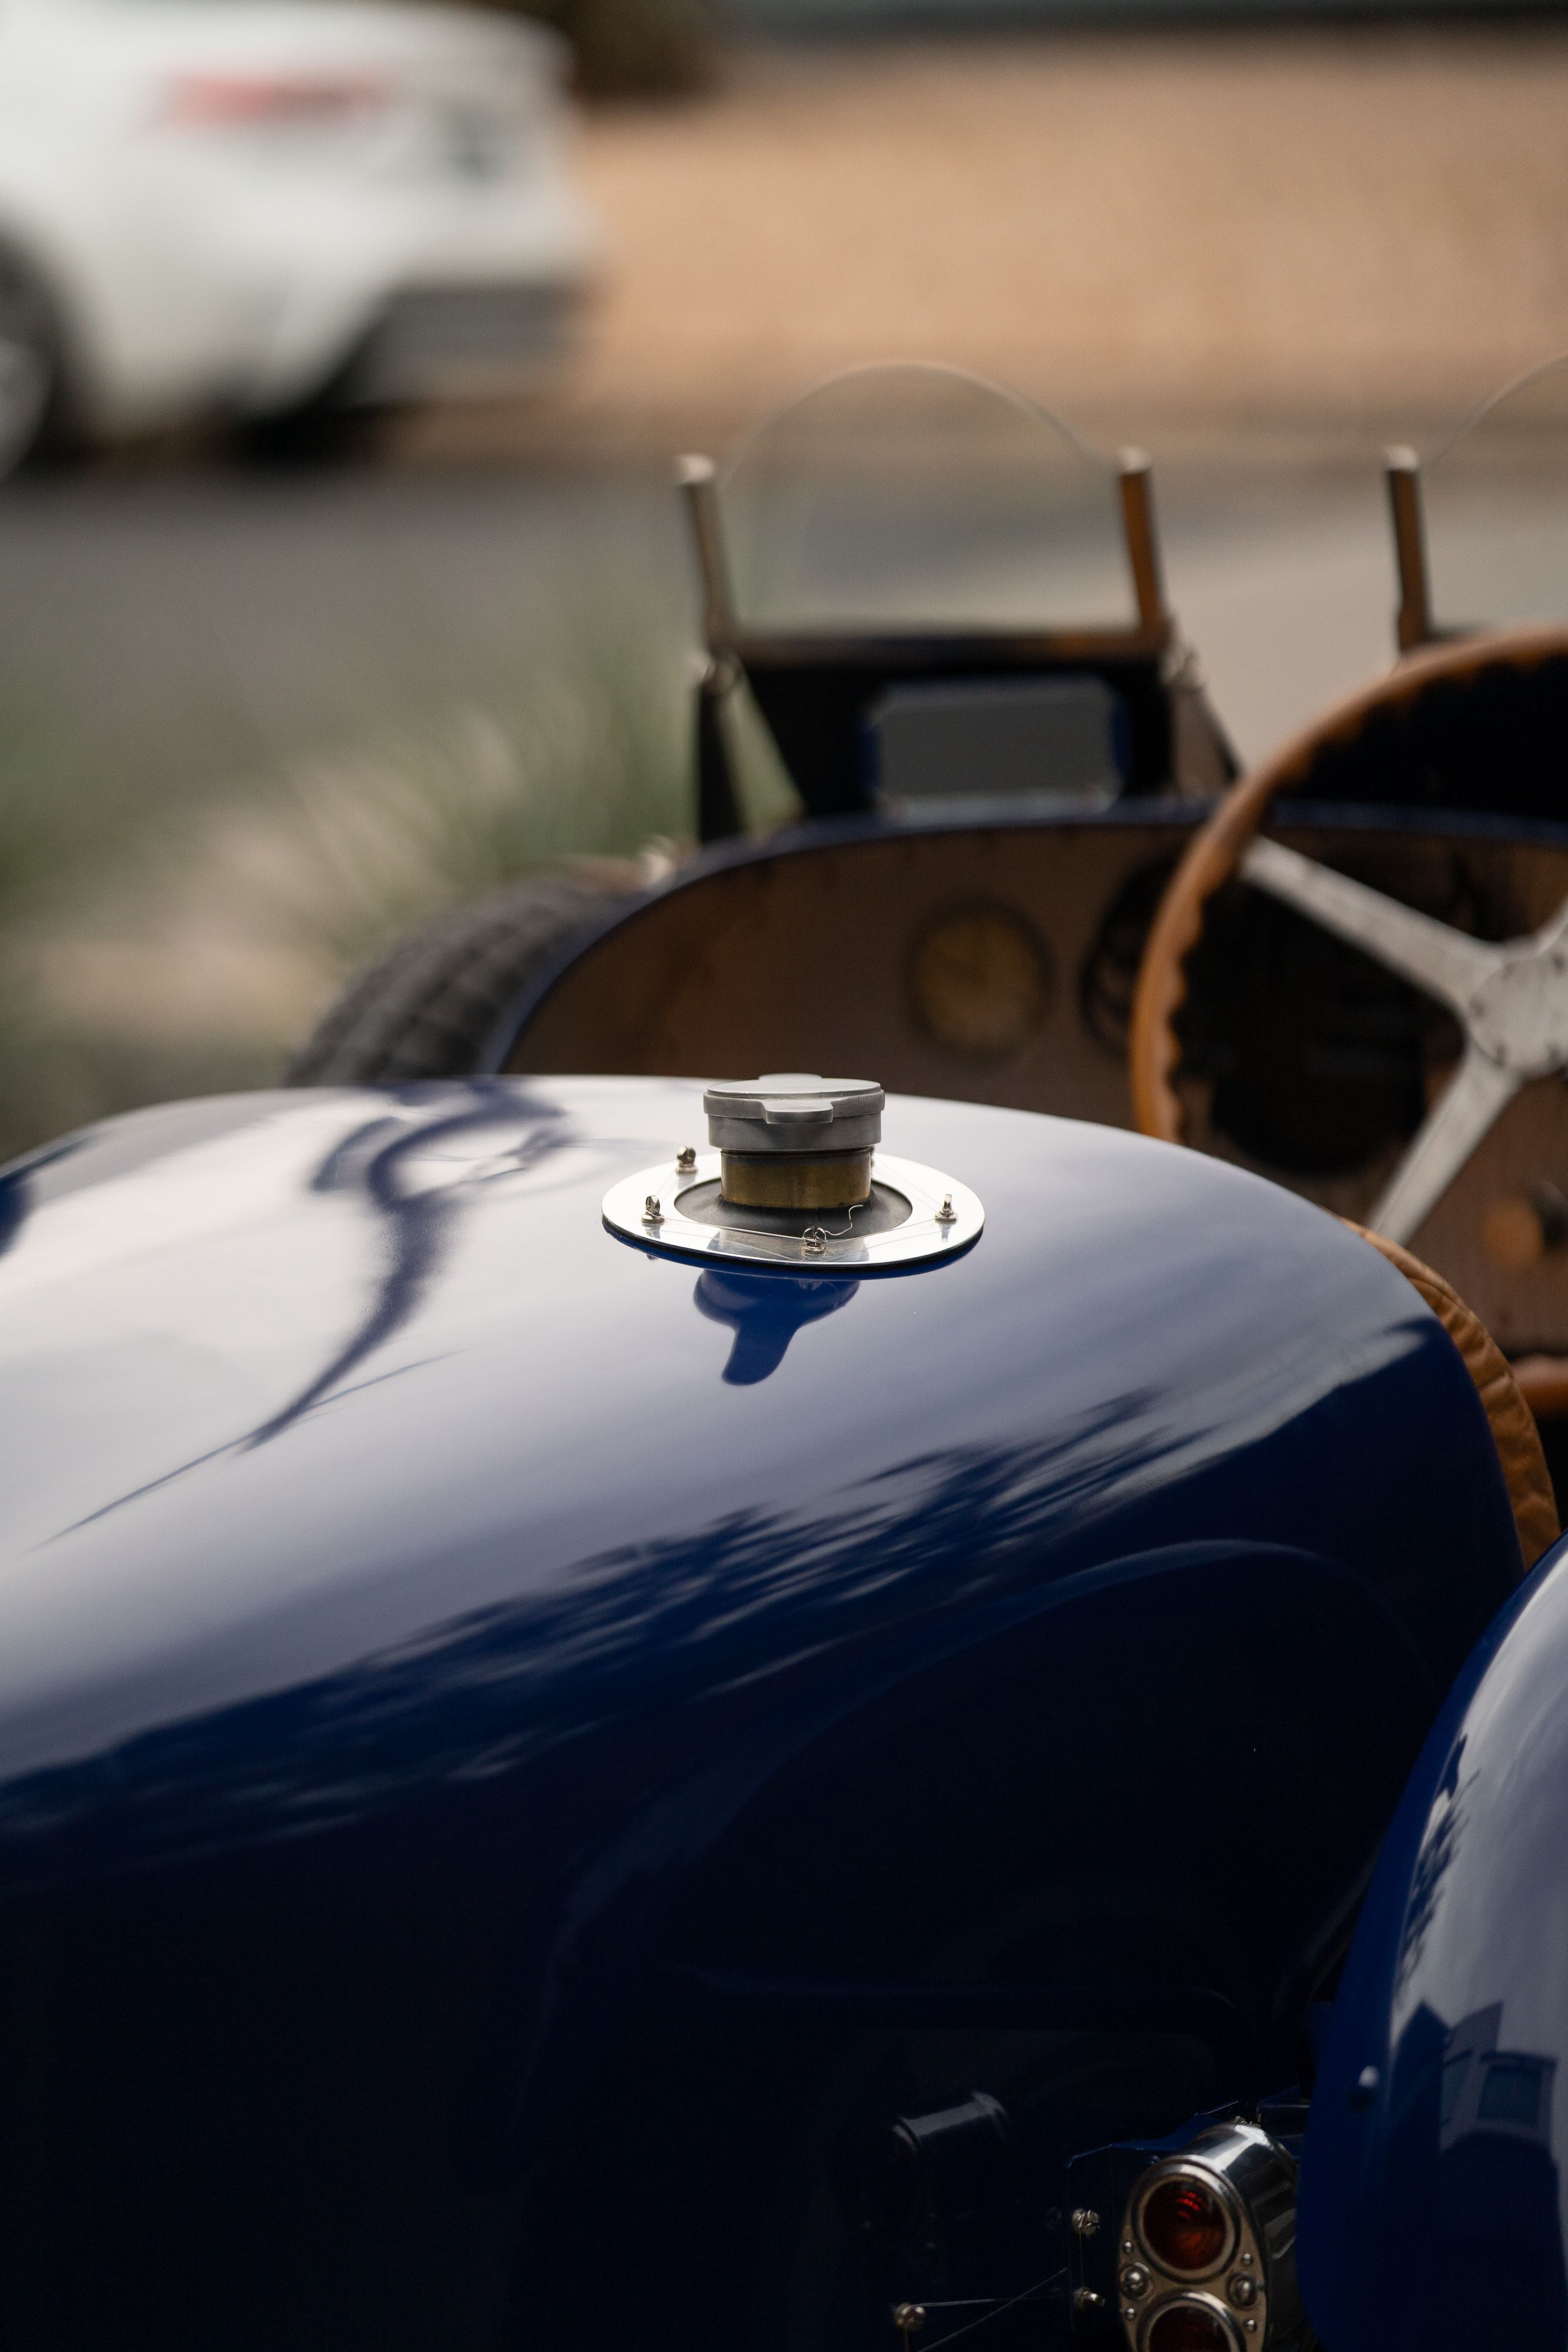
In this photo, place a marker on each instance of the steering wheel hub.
(1519, 1015)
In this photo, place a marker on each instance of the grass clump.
(146, 959)
(352, 847)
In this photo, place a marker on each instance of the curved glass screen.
(1496, 498)
(918, 496)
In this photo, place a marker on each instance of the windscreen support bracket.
(695, 477)
(1401, 471)
(1143, 542)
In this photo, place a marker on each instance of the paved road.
(198, 629)
(187, 631)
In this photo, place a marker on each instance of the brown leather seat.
(1513, 1428)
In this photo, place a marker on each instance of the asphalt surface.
(187, 630)
(198, 627)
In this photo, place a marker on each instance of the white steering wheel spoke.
(1448, 964)
(1464, 1113)
(1513, 999)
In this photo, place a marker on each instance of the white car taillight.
(244, 102)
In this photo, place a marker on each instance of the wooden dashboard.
(995, 963)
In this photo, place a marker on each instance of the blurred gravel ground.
(1297, 232)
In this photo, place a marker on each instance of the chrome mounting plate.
(944, 1218)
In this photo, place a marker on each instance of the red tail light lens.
(1188, 2328)
(243, 100)
(1187, 2227)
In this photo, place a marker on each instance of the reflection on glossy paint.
(1431, 2215)
(17, 1185)
(764, 1311)
(490, 1689)
(377, 1161)
(1470, 2168)
(1439, 1848)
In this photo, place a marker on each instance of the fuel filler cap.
(793, 1140)
(795, 1174)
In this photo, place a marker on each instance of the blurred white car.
(269, 206)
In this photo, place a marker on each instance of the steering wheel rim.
(1214, 853)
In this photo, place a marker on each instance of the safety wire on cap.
(910, 2318)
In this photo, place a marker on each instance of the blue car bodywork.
(1431, 2205)
(518, 1750)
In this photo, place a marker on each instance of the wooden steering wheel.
(1511, 1000)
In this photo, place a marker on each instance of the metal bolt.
(1252, 2326)
(1085, 2299)
(652, 1213)
(909, 2318)
(687, 1158)
(1136, 2279)
(947, 1214)
(814, 1241)
(1084, 2221)
(1245, 2259)
(1243, 2292)
(1127, 2245)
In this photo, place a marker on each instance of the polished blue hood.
(514, 1747)
(1433, 2216)
(352, 1394)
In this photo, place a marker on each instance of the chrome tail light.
(1205, 2260)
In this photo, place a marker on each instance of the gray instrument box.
(997, 739)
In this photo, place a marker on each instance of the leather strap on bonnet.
(1513, 1428)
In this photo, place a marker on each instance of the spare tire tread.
(430, 1006)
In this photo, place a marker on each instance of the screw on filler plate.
(686, 1159)
(947, 1214)
(1084, 2221)
(652, 1213)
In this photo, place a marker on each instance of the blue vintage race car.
(761, 1713)
(601, 1740)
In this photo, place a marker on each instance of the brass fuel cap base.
(879, 1212)
(779, 1179)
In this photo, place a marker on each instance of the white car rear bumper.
(479, 303)
(465, 342)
